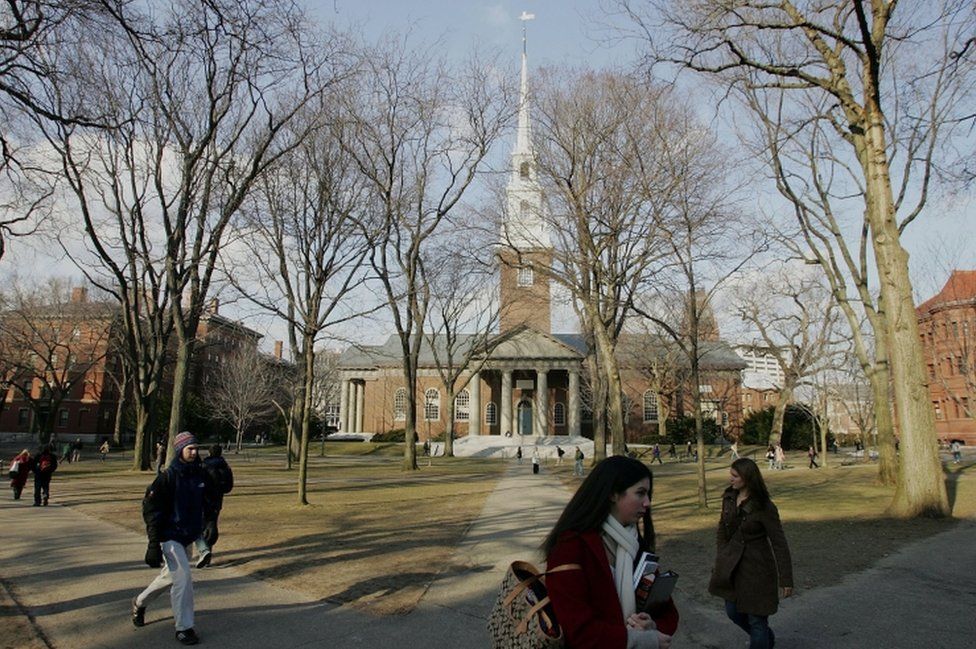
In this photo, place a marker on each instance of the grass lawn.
(375, 536)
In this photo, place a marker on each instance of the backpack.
(522, 617)
(222, 477)
(44, 463)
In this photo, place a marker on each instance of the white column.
(506, 404)
(541, 402)
(344, 406)
(351, 399)
(360, 403)
(574, 404)
(474, 404)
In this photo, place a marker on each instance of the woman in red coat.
(18, 480)
(598, 530)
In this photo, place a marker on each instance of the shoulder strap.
(527, 582)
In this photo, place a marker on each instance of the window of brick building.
(62, 418)
(938, 409)
(491, 414)
(526, 276)
(462, 405)
(650, 406)
(559, 414)
(400, 405)
(23, 417)
(432, 405)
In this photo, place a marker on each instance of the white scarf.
(623, 544)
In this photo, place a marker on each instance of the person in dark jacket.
(599, 532)
(753, 557)
(44, 466)
(222, 479)
(175, 507)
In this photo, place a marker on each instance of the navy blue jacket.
(177, 503)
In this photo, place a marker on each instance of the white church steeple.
(525, 227)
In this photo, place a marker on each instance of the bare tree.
(241, 391)
(420, 135)
(51, 347)
(205, 96)
(306, 256)
(796, 319)
(462, 323)
(853, 101)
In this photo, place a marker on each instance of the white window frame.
(650, 406)
(491, 414)
(559, 414)
(526, 276)
(462, 406)
(400, 405)
(432, 404)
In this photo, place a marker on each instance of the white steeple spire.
(524, 228)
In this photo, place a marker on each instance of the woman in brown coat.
(753, 558)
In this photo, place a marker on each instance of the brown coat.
(753, 558)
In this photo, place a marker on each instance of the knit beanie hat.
(183, 440)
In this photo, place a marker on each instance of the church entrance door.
(525, 417)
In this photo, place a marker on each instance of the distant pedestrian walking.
(812, 454)
(735, 449)
(771, 457)
(559, 455)
(76, 450)
(175, 507)
(578, 466)
(20, 468)
(688, 449)
(160, 456)
(956, 449)
(222, 479)
(672, 452)
(656, 454)
(535, 461)
(753, 557)
(44, 466)
(780, 457)
(103, 449)
(518, 455)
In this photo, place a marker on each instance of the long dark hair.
(748, 470)
(590, 505)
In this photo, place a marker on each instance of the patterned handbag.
(522, 617)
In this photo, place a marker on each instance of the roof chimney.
(278, 348)
(79, 295)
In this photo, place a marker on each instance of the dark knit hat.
(183, 440)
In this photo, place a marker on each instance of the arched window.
(461, 406)
(432, 405)
(650, 406)
(559, 414)
(526, 276)
(491, 413)
(524, 170)
(400, 405)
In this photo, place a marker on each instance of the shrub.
(798, 427)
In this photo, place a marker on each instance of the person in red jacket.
(599, 531)
(19, 473)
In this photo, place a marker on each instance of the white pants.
(174, 575)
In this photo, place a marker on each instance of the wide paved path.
(75, 576)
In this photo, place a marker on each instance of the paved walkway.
(75, 576)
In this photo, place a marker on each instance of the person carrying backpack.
(44, 466)
(578, 467)
(223, 481)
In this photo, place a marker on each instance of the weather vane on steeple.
(526, 16)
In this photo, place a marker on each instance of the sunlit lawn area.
(376, 536)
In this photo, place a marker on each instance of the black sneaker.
(187, 636)
(138, 614)
(204, 560)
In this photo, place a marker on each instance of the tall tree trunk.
(699, 427)
(611, 375)
(449, 424)
(779, 415)
(181, 379)
(878, 377)
(921, 489)
(662, 417)
(308, 383)
(142, 452)
(410, 426)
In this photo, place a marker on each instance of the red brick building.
(947, 326)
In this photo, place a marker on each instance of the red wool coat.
(585, 600)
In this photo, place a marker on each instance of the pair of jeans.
(757, 626)
(174, 575)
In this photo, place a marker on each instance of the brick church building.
(533, 381)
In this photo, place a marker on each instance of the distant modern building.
(762, 378)
(530, 381)
(947, 326)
